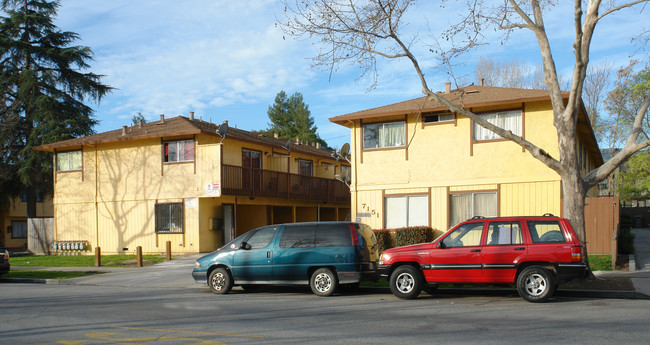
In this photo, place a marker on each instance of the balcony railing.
(237, 180)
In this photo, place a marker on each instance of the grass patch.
(600, 262)
(47, 274)
(82, 260)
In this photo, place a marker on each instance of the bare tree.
(514, 73)
(597, 80)
(361, 32)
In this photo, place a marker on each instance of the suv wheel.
(220, 281)
(323, 282)
(535, 284)
(406, 282)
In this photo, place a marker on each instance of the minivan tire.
(220, 281)
(323, 282)
(535, 284)
(406, 282)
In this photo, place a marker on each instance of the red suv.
(534, 253)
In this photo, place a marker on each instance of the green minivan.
(323, 255)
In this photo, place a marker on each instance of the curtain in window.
(460, 208)
(508, 120)
(403, 211)
(18, 229)
(392, 135)
(485, 204)
(66, 161)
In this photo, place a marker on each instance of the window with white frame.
(463, 206)
(178, 151)
(439, 117)
(508, 120)
(169, 217)
(381, 135)
(406, 210)
(68, 161)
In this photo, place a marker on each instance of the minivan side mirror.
(245, 246)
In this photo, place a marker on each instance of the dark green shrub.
(626, 221)
(413, 235)
(625, 240)
(383, 239)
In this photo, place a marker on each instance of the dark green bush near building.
(403, 236)
(625, 240)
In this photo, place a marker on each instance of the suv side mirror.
(441, 245)
(245, 246)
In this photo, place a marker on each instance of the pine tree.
(43, 89)
(291, 119)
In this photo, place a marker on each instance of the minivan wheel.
(535, 284)
(220, 281)
(406, 282)
(323, 282)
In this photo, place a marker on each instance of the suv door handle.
(475, 251)
(520, 248)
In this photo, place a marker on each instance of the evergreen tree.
(291, 119)
(43, 90)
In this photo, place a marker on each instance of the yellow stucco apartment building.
(187, 181)
(415, 163)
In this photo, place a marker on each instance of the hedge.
(390, 238)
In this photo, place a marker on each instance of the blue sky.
(226, 60)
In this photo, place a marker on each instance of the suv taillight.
(576, 254)
(355, 239)
(6, 255)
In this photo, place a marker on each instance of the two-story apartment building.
(14, 221)
(187, 181)
(416, 163)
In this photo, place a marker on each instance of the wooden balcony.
(236, 180)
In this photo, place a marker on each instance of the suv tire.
(323, 282)
(406, 282)
(220, 281)
(535, 284)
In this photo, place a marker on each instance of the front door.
(254, 262)
(251, 170)
(458, 258)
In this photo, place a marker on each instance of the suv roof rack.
(548, 215)
(477, 217)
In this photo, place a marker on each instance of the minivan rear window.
(333, 235)
(298, 236)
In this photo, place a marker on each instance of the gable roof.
(177, 127)
(467, 97)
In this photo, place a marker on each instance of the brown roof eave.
(77, 143)
(343, 119)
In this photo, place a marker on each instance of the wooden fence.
(40, 235)
(602, 215)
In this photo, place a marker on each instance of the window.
(508, 120)
(178, 151)
(333, 235)
(18, 229)
(381, 135)
(464, 206)
(262, 237)
(68, 161)
(545, 231)
(169, 217)
(298, 236)
(409, 210)
(501, 233)
(466, 235)
(39, 196)
(439, 117)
